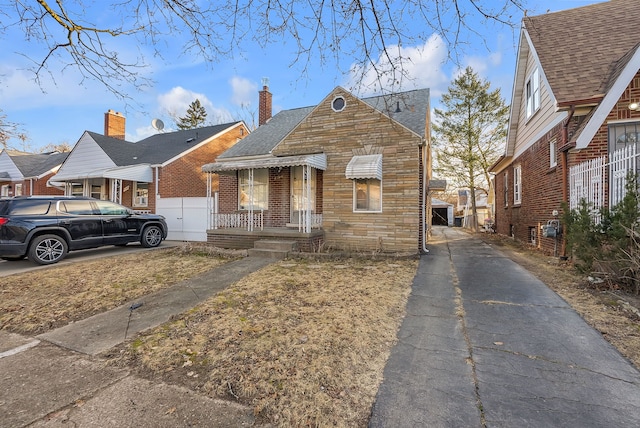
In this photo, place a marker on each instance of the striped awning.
(316, 160)
(364, 166)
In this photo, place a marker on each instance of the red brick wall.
(541, 185)
(184, 177)
(541, 192)
(40, 187)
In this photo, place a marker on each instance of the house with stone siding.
(348, 173)
(574, 124)
(160, 174)
(27, 174)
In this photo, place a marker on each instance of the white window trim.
(532, 100)
(355, 197)
(517, 185)
(266, 201)
(140, 201)
(553, 155)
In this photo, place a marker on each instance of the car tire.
(47, 249)
(151, 236)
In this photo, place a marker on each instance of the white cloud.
(422, 68)
(176, 102)
(244, 91)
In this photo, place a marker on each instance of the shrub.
(610, 247)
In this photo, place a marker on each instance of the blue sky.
(228, 89)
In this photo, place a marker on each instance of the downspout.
(565, 170)
(423, 202)
(157, 185)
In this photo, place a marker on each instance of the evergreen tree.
(195, 117)
(469, 134)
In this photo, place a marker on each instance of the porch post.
(116, 190)
(209, 210)
(250, 208)
(307, 201)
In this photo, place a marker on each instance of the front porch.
(241, 238)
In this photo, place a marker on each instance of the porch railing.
(249, 221)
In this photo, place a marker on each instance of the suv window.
(76, 207)
(109, 208)
(27, 207)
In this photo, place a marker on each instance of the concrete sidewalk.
(61, 385)
(485, 343)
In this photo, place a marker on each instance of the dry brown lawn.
(304, 343)
(38, 301)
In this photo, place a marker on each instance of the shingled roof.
(34, 165)
(157, 148)
(407, 108)
(582, 50)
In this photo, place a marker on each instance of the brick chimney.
(114, 123)
(264, 110)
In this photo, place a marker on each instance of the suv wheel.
(47, 249)
(151, 236)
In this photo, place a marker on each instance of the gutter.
(564, 153)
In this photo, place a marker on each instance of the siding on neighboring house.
(584, 90)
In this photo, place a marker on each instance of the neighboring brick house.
(347, 173)
(574, 109)
(160, 174)
(26, 174)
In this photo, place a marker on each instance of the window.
(532, 89)
(140, 194)
(4, 190)
(553, 159)
(506, 189)
(517, 185)
(77, 207)
(96, 191)
(260, 188)
(338, 104)
(623, 134)
(18, 190)
(110, 208)
(367, 195)
(76, 189)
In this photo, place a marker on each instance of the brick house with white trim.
(575, 99)
(347, 173)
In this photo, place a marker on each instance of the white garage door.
(186, 218)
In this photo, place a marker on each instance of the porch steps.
(271, 248)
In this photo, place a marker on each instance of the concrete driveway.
(21, 266)
(486, 344)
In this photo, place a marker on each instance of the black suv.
(46, 228)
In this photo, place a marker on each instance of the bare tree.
(369, 33)
(8, 130)
(469, 134)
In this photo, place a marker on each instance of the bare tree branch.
(367, 34)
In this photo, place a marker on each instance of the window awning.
(316, 160)
(364, 166)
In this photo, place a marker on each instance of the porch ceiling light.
(634, 106)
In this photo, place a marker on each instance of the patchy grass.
(304, 343)
(35, 302)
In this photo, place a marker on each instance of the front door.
(303, 192)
